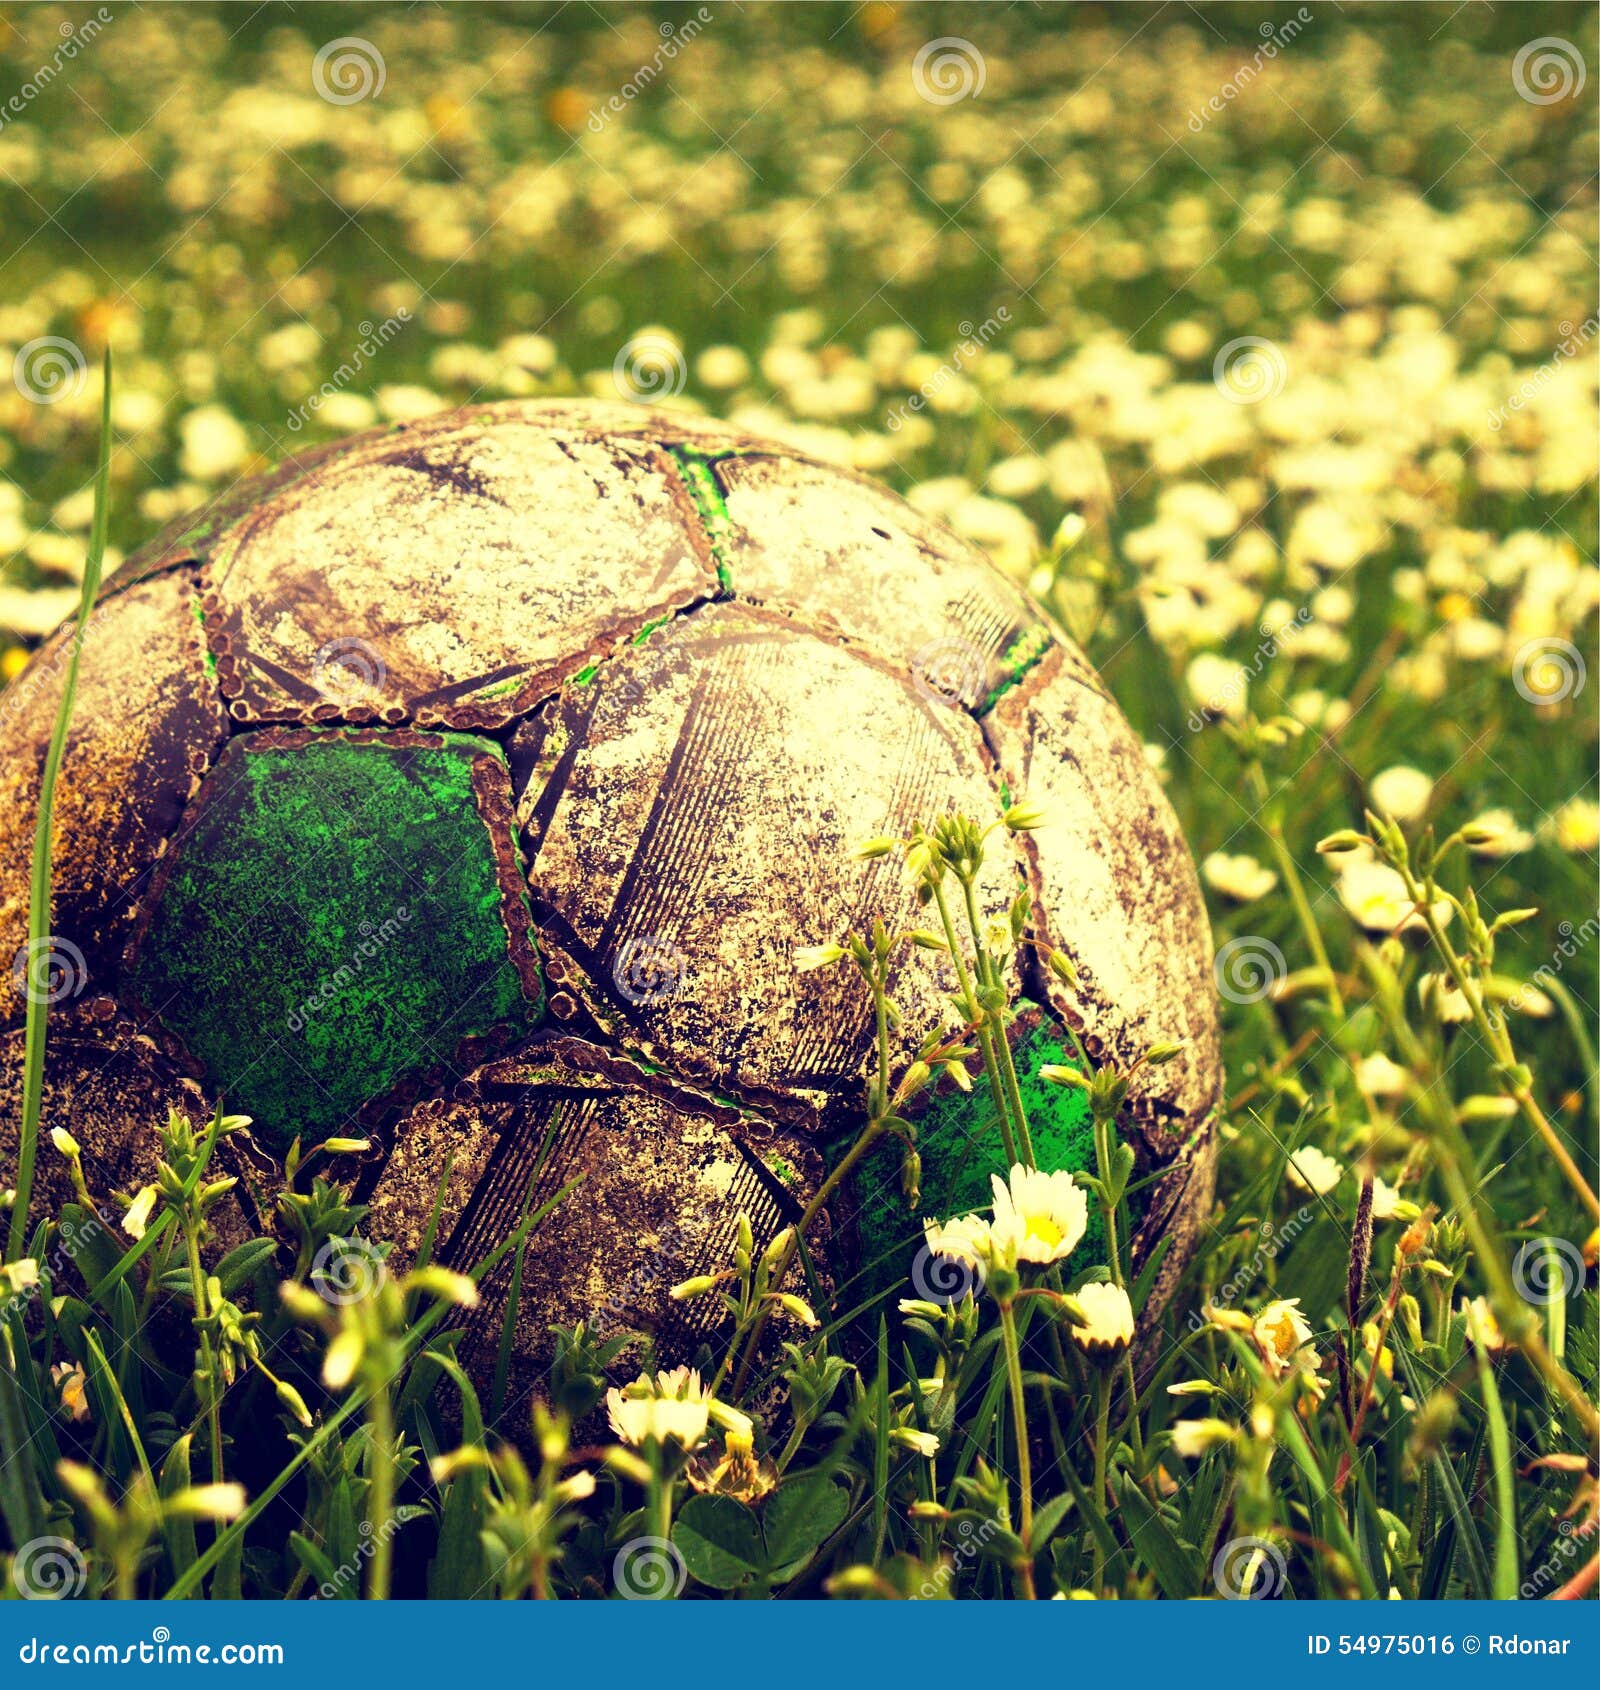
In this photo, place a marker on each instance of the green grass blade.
(21, 1502)
(177, 1531)
(431, 1232)
(1505, 1570)
(508, 1323)
(458, 1571)
(39, 889)
(129, 1259)
(880, 1446)
(102, 1376)
(1173, 1562)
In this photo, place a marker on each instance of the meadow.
(1259, 345)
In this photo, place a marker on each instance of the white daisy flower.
(1282, 1332)
(1376, 896)
(1401, 793)
(674, 1407)
(1314, 1171)
(1239, 876)
(1041, 1216)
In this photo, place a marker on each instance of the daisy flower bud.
(810, 957)
(1193, 1438)
(1104, 1322)
(139, 1212)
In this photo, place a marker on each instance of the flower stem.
(1499, 1041)
(1019, 1415)
(870, 1135)
(792, 1447)
(202, 1309)
(989, 976)
(1008, 1072)
(1101, 1445)
(1295, 886)
(380, 1493)
(975, 1014)
(1452, 1155)
(661, 1503)
(1108, 1210)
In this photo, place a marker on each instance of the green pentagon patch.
(343, 915)
(960, 1148)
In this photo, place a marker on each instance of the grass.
(39, 881)
(1341, 578)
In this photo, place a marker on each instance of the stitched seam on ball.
(697, 471)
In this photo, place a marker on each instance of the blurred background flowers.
(1260, 342)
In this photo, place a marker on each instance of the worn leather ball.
(468, 787)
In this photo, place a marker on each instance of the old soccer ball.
(469, 786)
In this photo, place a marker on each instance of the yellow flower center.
(1283, 1338)
(1045, 1230)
